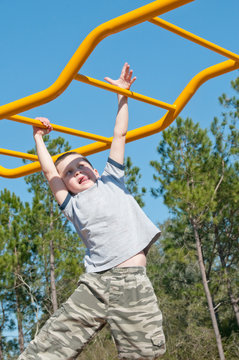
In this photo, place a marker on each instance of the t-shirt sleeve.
(114, 169)
(67, 206)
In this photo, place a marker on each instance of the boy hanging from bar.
(117, 234)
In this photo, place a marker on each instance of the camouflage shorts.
(122, 297)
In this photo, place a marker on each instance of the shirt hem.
(118, 261)
(116, 164)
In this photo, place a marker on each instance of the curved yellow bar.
(147, 12)
(170, 116)
(85, 49)
(147, 130)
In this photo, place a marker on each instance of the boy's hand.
(125, 80)
(121, 124)
(41, 131)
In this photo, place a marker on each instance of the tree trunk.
(1, 329)
(52, 276)
(207, 290)
(235, 307)
(45, 252)
(19, 322)
(18, 308)
(52, 268)
(1, 350)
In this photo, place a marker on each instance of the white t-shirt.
(110, 222)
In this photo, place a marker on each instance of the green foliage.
(174, 272)
(185, 169)
(198, 174)
(100, 348)
(17, 254)
(132, 178)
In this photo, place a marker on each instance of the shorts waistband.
(125, 270)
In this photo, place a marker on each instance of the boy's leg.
(73, 325)
(134, 315)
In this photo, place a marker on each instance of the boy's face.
(77, 173)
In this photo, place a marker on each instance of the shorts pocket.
(158, 341)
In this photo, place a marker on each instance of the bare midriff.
(136, 260)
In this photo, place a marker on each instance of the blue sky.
(38, 38)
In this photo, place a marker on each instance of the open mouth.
(83, 179)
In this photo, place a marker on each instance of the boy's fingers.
(111, 81)
(108, 79)
(125, 79)
(45, 122)
(133, 80)
(127, 69)
(40, 118)
(130, 75)
(124, 69)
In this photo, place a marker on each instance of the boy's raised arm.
(121, 124)
(55, 182)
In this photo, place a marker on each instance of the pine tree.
(189, 182)
(16, 262)
(226, 216)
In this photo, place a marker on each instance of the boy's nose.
(77, 172)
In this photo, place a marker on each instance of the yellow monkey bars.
(70, 72)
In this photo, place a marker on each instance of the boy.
(115, 288)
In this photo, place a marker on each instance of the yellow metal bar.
(147, 12)
(18, 154)
(113, 26)
(165, 121)
(187, 93)
(63, 129)
(196, 39)
(103, 85)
